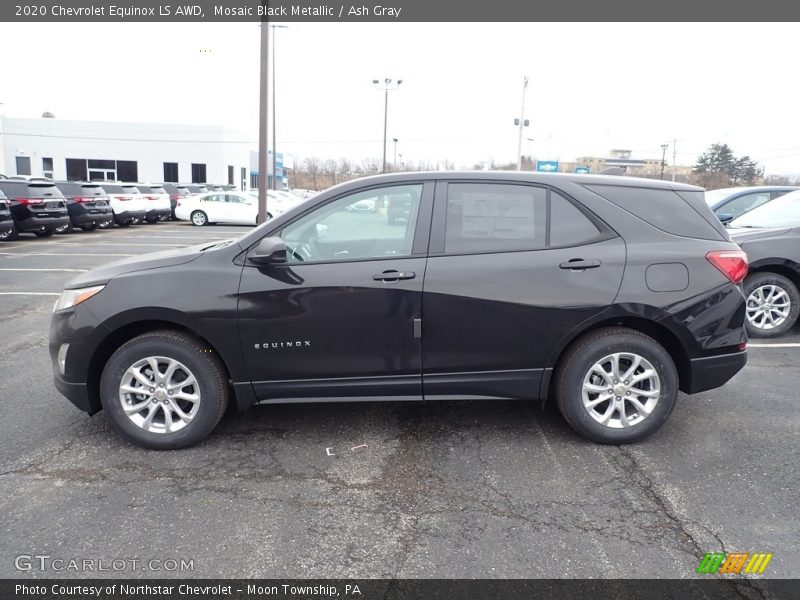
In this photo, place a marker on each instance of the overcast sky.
(594, 86)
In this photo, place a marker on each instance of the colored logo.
(734, 562)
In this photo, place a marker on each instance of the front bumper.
(711, 372)
(77, 393)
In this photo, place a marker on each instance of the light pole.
(522, 122)
(386, 85)
(663, 156)
(274, 122)
(394, 162)
(263, 124)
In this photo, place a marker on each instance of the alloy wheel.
(768, 306)
(621, 390)
(159, 394)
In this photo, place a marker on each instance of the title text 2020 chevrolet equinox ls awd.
(608, 294)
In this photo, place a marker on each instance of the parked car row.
(233, 207)
(44, 207)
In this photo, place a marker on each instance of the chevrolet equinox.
(607, 294)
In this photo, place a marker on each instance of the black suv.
(175, 193)
(87, 204)
(608, 294)
(36, 206)
(6, 222)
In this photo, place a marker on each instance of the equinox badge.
(279, 345)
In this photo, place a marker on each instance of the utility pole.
(663, 156)
(387, 85)
(394, 162)
(522, 123)
(674, 154)
(263, 124)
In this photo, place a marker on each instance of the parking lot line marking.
(30, 293)
(83, 245)
(57, 270)
(21, 255)
(781, 345)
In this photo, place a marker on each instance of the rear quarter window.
(665, 209)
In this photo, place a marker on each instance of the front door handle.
(578, 264)
(393, 275)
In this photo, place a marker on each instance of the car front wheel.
(199, 218)
(44, 233)
(616, 386)
(164, 390)
(773, 304)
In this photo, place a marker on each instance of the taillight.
(153, 197)
(731, 263)
(174, 196)
(122, 198)
(26, 201)
(80, 199)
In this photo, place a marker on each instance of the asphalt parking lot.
(469, 489)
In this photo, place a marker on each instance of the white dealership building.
(97, 150)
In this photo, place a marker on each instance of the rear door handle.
(393, 275)
(578, 264)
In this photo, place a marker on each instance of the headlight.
(70, 298)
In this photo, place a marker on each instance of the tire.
(199, 218)
(45, 234)
(10, 236)
(124, 223)
(152, 220)
(578, 367)
(91, 227)
(776, 293)
(193, 358)
(64, 229)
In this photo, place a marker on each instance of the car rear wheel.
(44, 233)
(10, 235)
(199, 218)
(164, 390)
(64, 228)
(152, 220)
(616, 386)
(773, 304)
(90, 227)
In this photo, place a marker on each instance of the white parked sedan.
(230, 207)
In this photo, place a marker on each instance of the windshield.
(715, 196)
(781, 212)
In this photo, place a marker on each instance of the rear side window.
(130, 189)
(485, 217)
(92, 190)
(568, 225)
(113, 189)
(664, 209)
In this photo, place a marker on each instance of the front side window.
(357, 227)
(488, 217)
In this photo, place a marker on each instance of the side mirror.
(270, 251)
(725, 218)
(322, 231)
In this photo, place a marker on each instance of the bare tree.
(313, 168)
